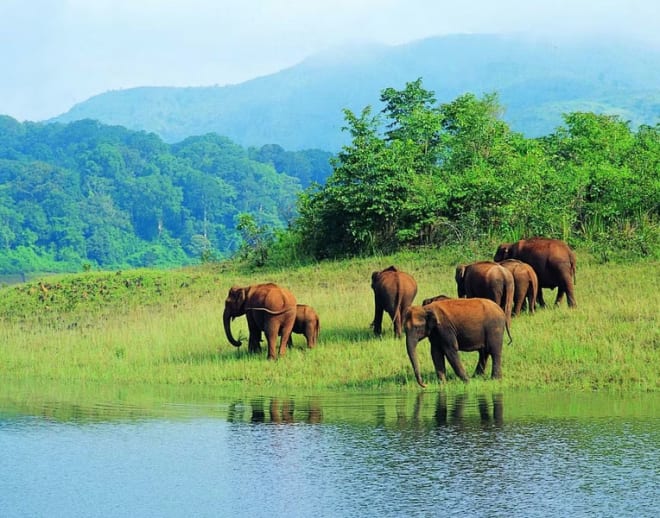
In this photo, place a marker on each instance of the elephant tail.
(317, 331)
(270, 311)
(508, 332)
(573, 259)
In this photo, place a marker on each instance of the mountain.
(301, 107)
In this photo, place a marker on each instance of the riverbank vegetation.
(165, 328)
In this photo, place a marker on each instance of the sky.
(56, 53)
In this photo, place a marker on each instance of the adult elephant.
(394, 291)
(488, 280)
(454, 325)
(526, 284)
(553, 261)
(268, 308)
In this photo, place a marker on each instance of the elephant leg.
(451, 352)
(517, 309)
(438, 358)
(568, 289)
(309, 335)
(271, 338)
(531, 300)
(396, 320)
(496, 355)
(539, 297)
(286, 330)
(378, 319)
(481, 364)
(560, 295)
(254, 345)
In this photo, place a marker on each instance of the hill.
(301, 107)
(88, 194)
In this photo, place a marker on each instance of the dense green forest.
(416, 173)
(87, 195)
(421, 173)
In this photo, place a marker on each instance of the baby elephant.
(307, 323)
(475, 324)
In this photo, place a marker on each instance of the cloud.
(59, 52)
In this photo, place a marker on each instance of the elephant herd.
(489, 293)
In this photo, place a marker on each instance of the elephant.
(553, 261)
(453, 325)
(307, 323)
(426, 302)
(394, 291)
(526, 284)
(489, 280)
(268, 308)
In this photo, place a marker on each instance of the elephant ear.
(433, 318)
(238, 295)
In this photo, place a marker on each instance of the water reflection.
(279, 411)
(456, 410)
(428, 410)
(341, 454)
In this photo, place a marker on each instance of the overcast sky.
(55, 53)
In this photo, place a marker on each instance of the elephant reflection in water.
(444, 415)
(456, 411)
(279, 411)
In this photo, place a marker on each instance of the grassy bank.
(165, 327)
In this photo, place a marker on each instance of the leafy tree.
(87, 193)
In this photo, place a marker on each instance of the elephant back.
(271, 297)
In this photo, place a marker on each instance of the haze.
(56, 53)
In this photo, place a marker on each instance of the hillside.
(301, 107)
(85, 194)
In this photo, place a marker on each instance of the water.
(335, 455)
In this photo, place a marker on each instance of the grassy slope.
(164, 327)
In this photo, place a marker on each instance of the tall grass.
(160, 327)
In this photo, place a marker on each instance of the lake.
(117, 452)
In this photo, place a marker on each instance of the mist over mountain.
(301, 107)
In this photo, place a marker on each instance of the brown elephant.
(553, 261)
(307, 323)
(453, 325)
(426, 302)
(526, 284)
(394, 291)
(488, 280)
(268, 308)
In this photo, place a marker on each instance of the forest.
(415, 173)
(419, 173)
(85, 195)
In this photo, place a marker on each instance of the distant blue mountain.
(301, 107)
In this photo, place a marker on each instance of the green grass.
(165, 328)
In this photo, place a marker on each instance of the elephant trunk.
(411, 346)
(227, 317)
